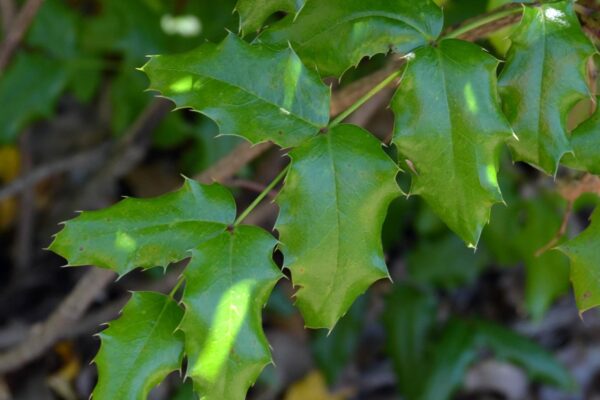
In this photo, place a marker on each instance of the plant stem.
(261, 196)
(176, 288)
(365, 98)
(484, 20)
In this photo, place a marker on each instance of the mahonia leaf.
(585, 141)
(140, 348)
(544, 77)
(334, 35)
(228, 282)
(333, 205)
(250, 91)
(450, 127)
(585, 264)
(254, 13)
(146, 232)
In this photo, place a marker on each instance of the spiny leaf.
(140, 348)
(273, 97)
(334, 35)
(332, 209)
(585, 264)
(254, 13)
(228, 282)
(585, 140)
(542, 80)
(146, 232)
(450, 127)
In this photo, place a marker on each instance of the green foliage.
(452, 118)
(543, 79)
(585, 264)
(287, 108)
(229, 280)
(450, 127)
(367, 28)
(332, 211)
(146, 232)
(140, 348)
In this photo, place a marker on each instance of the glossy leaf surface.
(254, 13)
(273, 97)
(450, 127)
(140, 348)
(146, 232)
(585, 264)
(332, 207)
(585, 141)
(542, 80)
(228, 282)
(336, 34)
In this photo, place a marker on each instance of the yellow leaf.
(312, 387)
(9, 163)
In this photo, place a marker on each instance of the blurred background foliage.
(496, 323)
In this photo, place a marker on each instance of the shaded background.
(78, 131)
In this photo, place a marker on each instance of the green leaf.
(585, 140)
(254, 13)
(29, 90)
(146, 232)
(228, 282)
(450, 126)
(140, 348)
(332, 207)
(409, 319)
(538, 363)
(544, 77)
(334, 35)
(585, 264)
(229, 83)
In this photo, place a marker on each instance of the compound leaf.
(146, 232)
(585, 264)
(332, 206)
(250, 91)
(254, 13)
(585, 140)
(140, 348)
(336, 34)
(544, 77)
(228, 282)
(450, 127)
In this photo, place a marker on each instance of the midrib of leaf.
(337, 220)
(448, 114)
(364, 14)
(541, 90)
(268, 102)
(137, 357)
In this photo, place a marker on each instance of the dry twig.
(17, 31)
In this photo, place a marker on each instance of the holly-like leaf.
(228, 282)
(332, 206)
(542, 80)
(334, 35)
(140, 348)
(249, 91)
(585, 264)
(254, 13)
(146, 232)
(450, 127)
(585, 140)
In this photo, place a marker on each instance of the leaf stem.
(261, 196)
(365, 98)
(484, 20)
(176, 287)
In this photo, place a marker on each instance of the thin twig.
(24, 242)
(561, 231)
(8, 9)
(43, 335)
(17, 31)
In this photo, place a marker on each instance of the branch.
(8, 9)
(17, 31)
